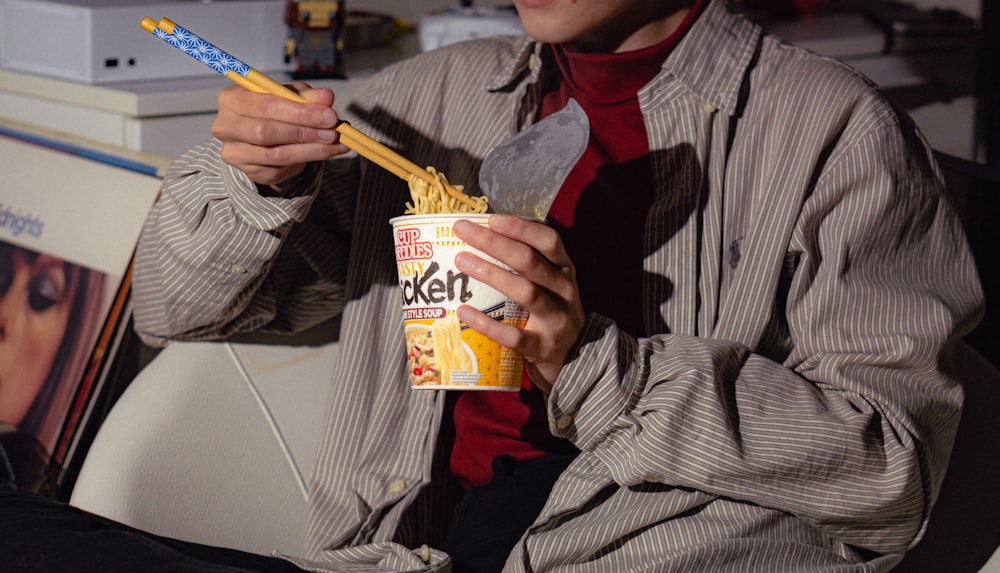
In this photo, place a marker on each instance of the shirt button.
(709, 108)
(652, 479)
(564, 422)
(238, 268)
(532, 61)
(397, 487)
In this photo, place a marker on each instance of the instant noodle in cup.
(441, 352)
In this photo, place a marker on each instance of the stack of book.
(70, 217)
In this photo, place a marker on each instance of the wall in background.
(967, 7)
(411, 10)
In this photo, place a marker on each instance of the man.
(740, 308)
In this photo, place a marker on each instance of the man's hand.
(271, 138)
(543, 281)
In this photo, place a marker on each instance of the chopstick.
(255, 81)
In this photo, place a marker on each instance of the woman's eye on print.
(6, 270)
(46, 289)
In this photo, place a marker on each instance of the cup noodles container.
(441, 352)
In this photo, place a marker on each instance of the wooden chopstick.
(348, 139)
(349, 136)
(258, 82)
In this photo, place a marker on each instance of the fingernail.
(327, 135)
(328, 117)
(500, 221)
(464, 261)
(462, 226)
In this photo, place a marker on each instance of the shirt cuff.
(595, 386)
(268, 213)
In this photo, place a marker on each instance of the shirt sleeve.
(852, 430)
(217, 256)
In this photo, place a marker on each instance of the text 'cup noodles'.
(441, 352)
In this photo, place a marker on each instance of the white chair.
(212, 443)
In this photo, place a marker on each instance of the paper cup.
(441, 352)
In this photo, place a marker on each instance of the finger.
(522, 251)
(538, 236)
(518, 288)
(316, 113)
(319, 96)
(504, 334)
(524, 342)
(536, 345)
(267, 133)
(245, 154)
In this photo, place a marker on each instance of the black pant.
(491, 517)
(38, 534)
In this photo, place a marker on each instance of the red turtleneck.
(600, 213)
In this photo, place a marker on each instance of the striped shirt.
(790, 407)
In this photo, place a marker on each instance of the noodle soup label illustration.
(441, 352)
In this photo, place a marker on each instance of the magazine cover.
(68, 228)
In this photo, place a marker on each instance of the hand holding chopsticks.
(255, 81)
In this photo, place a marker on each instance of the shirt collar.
(711, 60)
(527, 55)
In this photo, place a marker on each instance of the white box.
(100, 41)
(458, 24)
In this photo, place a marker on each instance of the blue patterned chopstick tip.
(203, 51)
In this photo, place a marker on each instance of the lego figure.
(316, 31)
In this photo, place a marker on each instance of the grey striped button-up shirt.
(790, 406)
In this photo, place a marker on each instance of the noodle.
(433, 353)
(449, 352)
(420, 355)
(434, 199)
